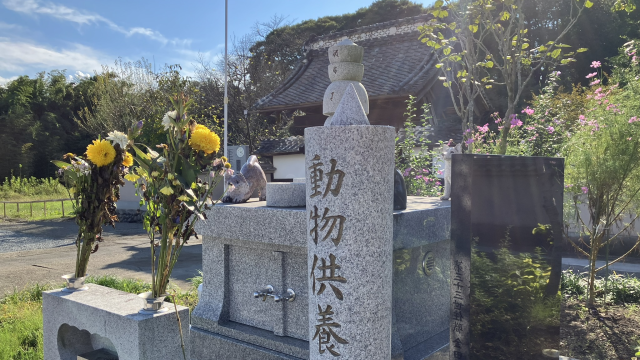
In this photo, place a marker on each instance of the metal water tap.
(290, 295)
(267, 291)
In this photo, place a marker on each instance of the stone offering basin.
(249, 246)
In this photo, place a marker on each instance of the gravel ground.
(22, 236)
(40, 252)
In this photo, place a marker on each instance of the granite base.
(80, 322)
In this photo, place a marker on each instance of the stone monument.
(507, 205)
(350, 167)
(345, 68)
(344, 275)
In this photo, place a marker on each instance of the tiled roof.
(290, 145)
(394, 65)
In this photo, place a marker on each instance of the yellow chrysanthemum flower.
(227, 165)
(167, 190)
(101, 152)
(205, 140)
(224, 159)
(132, 177)
(128, 160)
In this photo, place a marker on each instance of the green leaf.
(473, 28)
(588, 4)
(438, 3)
(452, 26)
(555, 53)
(525, 45)
(438, 66)
(489, 64)
(443, 14)
(60, 164)
(140, 153)
(446, 51)
(440, 36)
(189, 173)
(582, 50)
(505, 16)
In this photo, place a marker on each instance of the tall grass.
(21, 324)
(19, 188)
(21, 336)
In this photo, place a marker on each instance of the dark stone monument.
(399, 191)
(506, 232)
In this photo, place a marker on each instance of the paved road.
(40, 252)
(581, 265)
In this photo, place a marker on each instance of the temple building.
(396, 65)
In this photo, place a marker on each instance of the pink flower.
(633, 119)
(595, 64)
(596, 82)
(439, 172)
(581, 117)
(591, 75)
(418, 177)
(515, 121)
(438, 183)
(469, 141)
(550, 129)
(568, 185)
(406, 171)
(528, 111)
(628, 139)
(483, 129)
(531, 128)
(585, 189)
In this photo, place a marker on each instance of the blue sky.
(80, 35)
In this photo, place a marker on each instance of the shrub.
(617, 289)
(18, 188)
(512, 316)
(413, 157)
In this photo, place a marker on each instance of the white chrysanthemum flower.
(167, 120)
(118, 137)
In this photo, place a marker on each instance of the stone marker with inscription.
(350, 168)
(320, 282)
(498, 203)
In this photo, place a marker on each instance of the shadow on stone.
(73, 342)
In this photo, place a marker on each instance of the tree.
(37, 119)
(485, 43)
(603, 169)
(128, 92)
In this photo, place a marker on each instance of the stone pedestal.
(350, 240)
(286, 194)
(100, 317)
(261, 245)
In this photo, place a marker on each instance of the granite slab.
(100, 317)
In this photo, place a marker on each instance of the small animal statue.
(245, 182)
(447, 169)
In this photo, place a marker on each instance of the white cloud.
(4, 81)
(18, 56)
(80, 17)
(5, 26)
